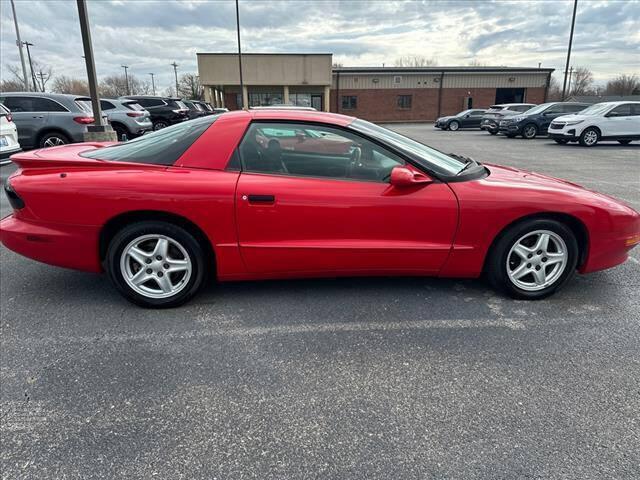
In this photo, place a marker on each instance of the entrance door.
(317, 199)
(316, 102)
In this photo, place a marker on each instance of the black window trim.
(400, 96)
(38, 96)
(437, 177)
(355, 104)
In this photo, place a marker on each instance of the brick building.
(374, 93)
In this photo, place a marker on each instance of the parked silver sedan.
(126, 117)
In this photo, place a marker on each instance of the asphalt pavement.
(406, 378)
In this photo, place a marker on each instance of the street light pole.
(33, 74)
(126, 78)
(240, 56)
(566, 68)
(153, 84)
(98, 131)
(175, 71)
(19, 45)
(41, 75)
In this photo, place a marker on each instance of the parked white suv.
(603, 121)
(8, 135)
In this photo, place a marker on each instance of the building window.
(404, 101)
(349, 102)
(397, 80)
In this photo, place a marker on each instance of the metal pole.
(91, 66)
(153, 84)
(126, 78)
(41, 75)
(566, 68)
(33, 74)
(19, 45)
(240, 55)
(175, 71)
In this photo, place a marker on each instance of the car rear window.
(133, 106)
(84, 104)
(163, 147)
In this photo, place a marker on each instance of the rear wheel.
(156, 264)
(533, 259)
(529, 131)
(454, 125)
(121, 131)
(53, 139)
(624, 142)
(589, 137)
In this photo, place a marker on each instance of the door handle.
(259, 198)
(39, 116)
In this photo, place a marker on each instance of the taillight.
(135, 114)
(16, 202)
(83, 120)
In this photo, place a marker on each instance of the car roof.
(622, 102)
(53, 96)
(294, 115)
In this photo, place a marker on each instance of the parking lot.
(351, 378)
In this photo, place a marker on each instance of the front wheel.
(454, 125)
(533, 259)
(589, 137)
(529, 131)
(156, 264)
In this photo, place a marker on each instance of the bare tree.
(65, 84)
(415, 61)
(16, 72)
(582, 81)
(477, 63)
(11, 85)
(43, 73)
(555, 91)
(623, 85)
(114, 86)
(189, 87)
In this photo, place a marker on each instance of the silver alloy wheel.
(537, 260)
(54, 142)
(591, 137)
(155, 266)
(454, 126)
(530, 131)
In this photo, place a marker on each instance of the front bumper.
(4, 154)
(510, 128)
(69, 246)
(569, 135)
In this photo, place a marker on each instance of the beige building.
(268, 78)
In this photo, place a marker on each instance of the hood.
(572, 117)
(444, 119)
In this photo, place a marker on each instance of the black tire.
(493, 132)
(624, 142)
(160, 124)
(454, 126)
(120, 131)
(496, 265)
(589, 137)
(529, 131)
(53, 139)
(560, 141)
(192, 247)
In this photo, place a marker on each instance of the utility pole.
(126, 78)
(41, 75)
(153, 84)
(566, 68)
(33, 74)
(175, 71)
(245, 106)
(98, 131)
(19, 45)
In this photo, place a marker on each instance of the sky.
(149, 35)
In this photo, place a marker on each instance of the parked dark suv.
(466, 119)
(491, 119)
(537, 120)
(164, 111)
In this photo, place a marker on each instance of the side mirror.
(405, 177)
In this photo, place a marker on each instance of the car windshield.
(597, 109)
(435, 160)
(162, 147)
(538, 108)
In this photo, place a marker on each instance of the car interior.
(318, 152)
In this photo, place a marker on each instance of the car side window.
(623, 110)
(477, 113)
(19, 104)
(635, 109)
(47, 105)
(306, 150)
(104, 105)
(556, 109)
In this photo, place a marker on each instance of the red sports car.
(161, 212)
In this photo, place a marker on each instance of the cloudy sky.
(149, 35)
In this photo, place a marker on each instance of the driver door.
(317, 199)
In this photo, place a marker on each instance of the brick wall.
(380, 105)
